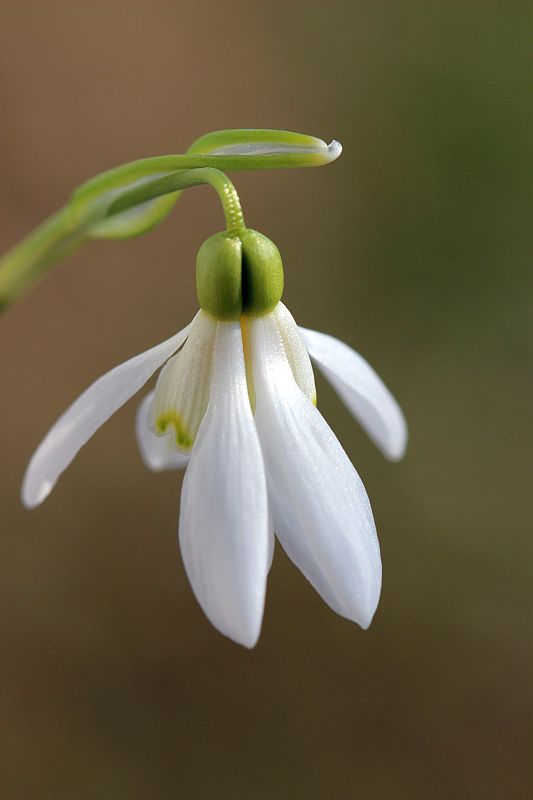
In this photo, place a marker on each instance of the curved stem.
(25, 263)
(240, 149)
(61, 234)
(148, 189)
(183, 179)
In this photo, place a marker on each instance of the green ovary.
(184, 439)
(238, 275)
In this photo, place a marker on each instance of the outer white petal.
(158, 452)
(362, 390)
(225, 533)
(320, 509)
(76, 426)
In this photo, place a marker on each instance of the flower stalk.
(131, 199)
(177, 181)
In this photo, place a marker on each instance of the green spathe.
(238, 275)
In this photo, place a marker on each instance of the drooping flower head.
(235, 405)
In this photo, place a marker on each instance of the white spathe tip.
(334, 149)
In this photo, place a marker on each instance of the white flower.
(240, 396)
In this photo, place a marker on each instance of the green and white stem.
(131, 199)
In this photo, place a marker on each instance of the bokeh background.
(415, 248)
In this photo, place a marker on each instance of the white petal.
(320, 509)
(182, 390)
(76, 426)
(362, 390)
(225, 535)
(296, 351)
(158, 452)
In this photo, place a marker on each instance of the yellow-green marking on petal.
(182, 391)
(184, 438)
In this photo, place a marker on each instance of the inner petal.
(182, 390)
(296, 351)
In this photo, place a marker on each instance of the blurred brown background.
(416, 248)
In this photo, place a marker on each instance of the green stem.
(26, 263)
(220, 182)
(146, 191)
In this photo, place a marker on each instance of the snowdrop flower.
(235, 404)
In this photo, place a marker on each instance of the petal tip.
(365, 615)
(396, 449)
(248, 640)
(365, 619)
(32, 496)
(243, 631)
(396, 454)
(366, 604)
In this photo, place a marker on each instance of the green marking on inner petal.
(313, 399)
(184, 440)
